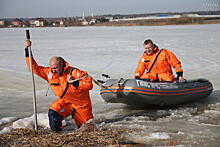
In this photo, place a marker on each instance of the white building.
(84, 21)
(39, 23)
(61, 23)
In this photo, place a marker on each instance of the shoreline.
(153, 22)
(161, 22)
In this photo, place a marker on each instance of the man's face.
(148, 48)
(56, 68)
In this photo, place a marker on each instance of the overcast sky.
(69, 8)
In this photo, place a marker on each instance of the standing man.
(73, 97)
(156, 64)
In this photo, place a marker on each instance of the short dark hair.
(148, 41)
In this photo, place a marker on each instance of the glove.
(26, 52)
(137, 78)
(179, 74)
(75, 84)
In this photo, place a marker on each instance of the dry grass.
(104, 136)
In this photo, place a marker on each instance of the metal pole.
(33, 84)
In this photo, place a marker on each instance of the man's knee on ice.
(55, 120)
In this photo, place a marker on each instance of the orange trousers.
(64, 108)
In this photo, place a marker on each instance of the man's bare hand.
(181, 79)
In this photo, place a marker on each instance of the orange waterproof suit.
(75, 101)
(161, 70)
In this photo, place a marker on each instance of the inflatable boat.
(139, 93)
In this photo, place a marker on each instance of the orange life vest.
(162, 69)
(79, 97)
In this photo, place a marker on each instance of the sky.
(71, 8)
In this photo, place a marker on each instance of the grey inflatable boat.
(139, 93)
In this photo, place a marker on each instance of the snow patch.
(144, 137)
(7, 120)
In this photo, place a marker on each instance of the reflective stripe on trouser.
(80, 115)
(55, 120)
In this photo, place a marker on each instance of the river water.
(115, 51)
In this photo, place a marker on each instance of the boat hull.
(139, 93)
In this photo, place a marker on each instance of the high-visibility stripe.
(112, 88)
(154, 92)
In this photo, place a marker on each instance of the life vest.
(162, 68)
(78, 96)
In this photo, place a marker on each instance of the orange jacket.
(77, 96)
(162, 66)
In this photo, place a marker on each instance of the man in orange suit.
(156, 64)
(73, 97)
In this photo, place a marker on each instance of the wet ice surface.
(183, 126)
(115, 51)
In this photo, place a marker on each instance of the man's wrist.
(137, 77)
(26, 52)
(179, 74)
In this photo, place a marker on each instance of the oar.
(33, 84)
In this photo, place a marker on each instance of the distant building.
(111, 19)
(26, 23)
(32, 23)
(84, 21)
(56, 23)
(92, 20)
(61, 23)
(39, 22)
(88, 21)
(16, 23)
(191, 15)
(2, 23)
(103, 19)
